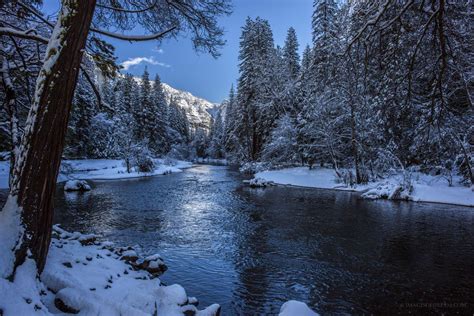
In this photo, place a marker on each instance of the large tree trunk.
(37, 166)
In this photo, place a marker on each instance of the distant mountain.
(199, 111)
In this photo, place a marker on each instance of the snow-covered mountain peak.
(198, 109)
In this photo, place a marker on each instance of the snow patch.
(11, 231)
(424, 188)
(296, 308)
(77, 185)
(102, 169)
(91, 280)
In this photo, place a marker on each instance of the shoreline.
(101, 170)
(426, 188)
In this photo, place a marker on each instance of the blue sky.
(180, 66)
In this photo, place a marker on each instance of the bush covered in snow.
(77, 185)
(254, 167)
(142, 159)
(348, 177)
(393, 190)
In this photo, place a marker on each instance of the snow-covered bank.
(4, 169)
(296, 308)
(89, 277)
(102, 169)
(86, 276)
(426, 188)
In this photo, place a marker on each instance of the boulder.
(63, 307)
(154, 265)
(259, 183)
(77, 185)
(129, 255)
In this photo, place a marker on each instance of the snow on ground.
(101, 169)
(105, 169)
(85, 276)
(295, 308)
(89, 277)
(4, 169)
(426, 188)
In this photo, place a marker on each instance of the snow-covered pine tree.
(254, 88)
(143, 111)
(124, 122)
(282, 147)
(216, 137)
(159, 142)
(80, 134)
(290, 54)
(229, 123)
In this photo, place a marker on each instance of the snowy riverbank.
(102, 169)
(426, 188)
(86, 276)
(89, 277)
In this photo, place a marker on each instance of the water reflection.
(252, 249)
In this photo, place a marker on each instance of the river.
(252, 249)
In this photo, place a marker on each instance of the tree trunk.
(355, 152)
(37, 167)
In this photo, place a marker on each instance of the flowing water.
(252, 249)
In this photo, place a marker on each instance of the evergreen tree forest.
(134, 118)
(384, 85)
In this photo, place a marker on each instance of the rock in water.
(154, 265)
(77, 185)
(259, 183)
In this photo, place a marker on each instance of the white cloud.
(138, 60)
(158, 50)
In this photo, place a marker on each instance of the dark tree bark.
(37, 167)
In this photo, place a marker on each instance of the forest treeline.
(385, 85)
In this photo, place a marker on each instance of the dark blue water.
(252, 249)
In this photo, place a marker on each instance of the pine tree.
(290, 53)
(323, 22)
(216, 137)
(282, 147)
(80, 133)
(254, 88)
(159, 142)
(143, 112)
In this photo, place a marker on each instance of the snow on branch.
(371, 22)
(134, 38)
(30, 34)
(100, 103)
